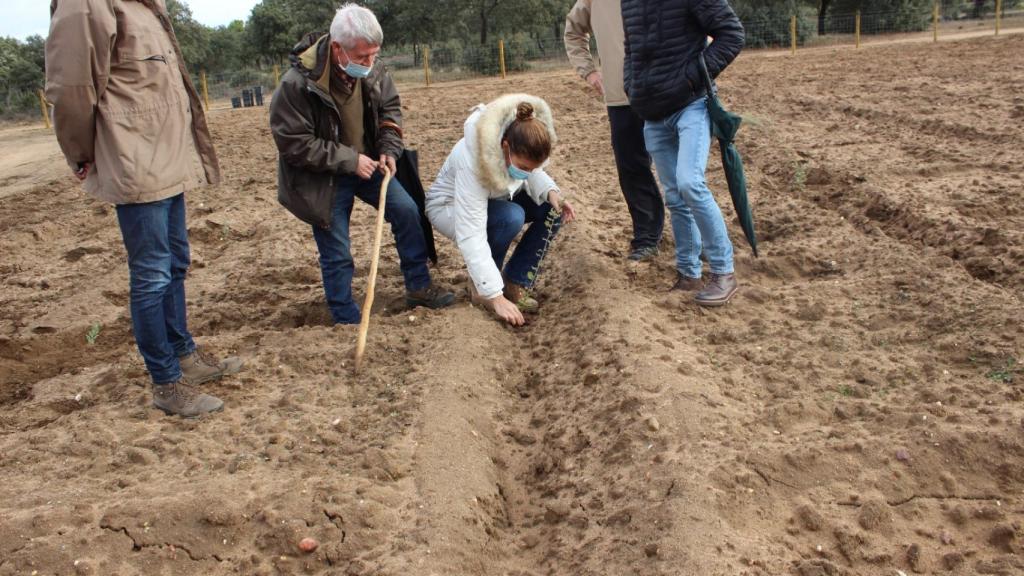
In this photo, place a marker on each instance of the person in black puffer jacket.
(664, 85)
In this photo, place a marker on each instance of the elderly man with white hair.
(337, 123)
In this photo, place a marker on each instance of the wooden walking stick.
(364, 324)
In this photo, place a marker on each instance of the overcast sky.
(23, 18)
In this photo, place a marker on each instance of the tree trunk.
(483, 25)
(822, 8)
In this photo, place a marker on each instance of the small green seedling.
(1005, 374)
(93, 333)
(550, 224)
(799, 176)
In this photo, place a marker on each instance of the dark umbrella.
(724, 125)
(408, 175)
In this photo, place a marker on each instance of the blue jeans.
(505, 219)
(336, 263)
(156, 239)
(679, 145)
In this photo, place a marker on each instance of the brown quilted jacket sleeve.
(389, 139)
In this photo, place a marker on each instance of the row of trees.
(21, 73)
(459, 28)
(274, 26)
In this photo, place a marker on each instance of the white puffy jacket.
(474, 173)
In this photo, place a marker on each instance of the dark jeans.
(336, 263)
(505, 219)
(646, 207)
(156, 239)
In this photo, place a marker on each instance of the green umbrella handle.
(704, 74)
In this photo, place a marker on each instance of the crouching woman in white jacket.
(493, 183)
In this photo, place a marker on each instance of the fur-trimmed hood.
(485, 128)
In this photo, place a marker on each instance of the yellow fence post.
(426, 64)
(501, 56)
(999, 15)
(206, 88)
(792, 34)
(277, 75)
(45, 109)
(935, 22)
(856, 25)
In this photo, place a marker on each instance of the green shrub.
(19, 103)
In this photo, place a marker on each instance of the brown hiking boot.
(719, 290)
(199, 367)
(687, 284)
(178, 398)
(433, 297)
(520, 295)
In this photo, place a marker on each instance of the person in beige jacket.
(602, 19)
(130, 125)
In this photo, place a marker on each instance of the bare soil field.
(856, 410)
(30, 158)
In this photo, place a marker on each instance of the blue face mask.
(515, 172)
(354, 70)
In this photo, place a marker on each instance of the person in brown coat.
(129, 122)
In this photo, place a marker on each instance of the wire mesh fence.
(454, 60)
(19, 101)
(237, 89)
(458, 60)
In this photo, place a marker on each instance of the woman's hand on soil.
(506, 310)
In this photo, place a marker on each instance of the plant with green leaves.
(551, 225)
(93, 333)
(799, 176)
(1005, 373)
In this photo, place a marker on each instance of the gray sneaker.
(718, 291)
(199, 367)
(643, 253)
(178, 398)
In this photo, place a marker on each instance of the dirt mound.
(856, 410)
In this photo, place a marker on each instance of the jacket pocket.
(147, 153)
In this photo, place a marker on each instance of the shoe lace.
(206, 358)
(185, 393)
